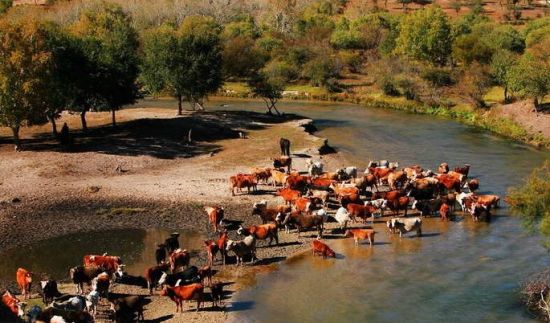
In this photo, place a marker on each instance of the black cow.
(186, 277)
(160, 253)
(80, 275)
(172, 243)
(126, 307)
(427, 207)
(49, 291)
(285, 146)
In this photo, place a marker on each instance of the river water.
(458, 271)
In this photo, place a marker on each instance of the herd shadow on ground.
(162, 138)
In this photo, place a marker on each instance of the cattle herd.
(308, 201)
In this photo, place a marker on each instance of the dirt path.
(146, 175)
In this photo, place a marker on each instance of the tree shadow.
(240, 306)
(160, 319)
(161, 138)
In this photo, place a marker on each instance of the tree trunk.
(180, 110)
(16, 141)
(273, 102)
(536, 102)
(113, 117)
(83, 120)
(54, 126)
(505, 94)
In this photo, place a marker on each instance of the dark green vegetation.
(531, 201)
(100, 56)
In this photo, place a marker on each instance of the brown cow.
(215, 215)
(361, 211)
(262, 174)
(401, 203)
(304, 204)
(283, 161)
(319, 248)
(261, 232)
(24, 281)
(380, 174)
(241, 181)
(297, 182)
(178, 259)
(184, 293)
(278, 178)
(361, 234)
(303, 221)
(289, 195)
(489, 199)
(268, 214)
(463, 170)
(449, 182)
(153, 274)
(397, 179)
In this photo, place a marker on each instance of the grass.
(494, 95)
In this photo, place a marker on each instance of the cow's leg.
(356, 241)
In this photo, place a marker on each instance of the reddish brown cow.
(109, 263)
(488, 200)
(241, 181)
(463, 170)
(289, 195)
(361, 234)
(319, 248)
(184, 293)
(444, 212)
(215, 215)
(380, 174)
(361, 211)
(212, 248)
(401, 203)
(178, 259)
(449, 182)
(24, 280)
(153, 274)
(262, 232)
(205, 273)
(297, 182)
(303, 204)
(12, 303)
(390, 195)
(261, 174)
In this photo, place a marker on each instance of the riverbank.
(515, 121)
(145, 175)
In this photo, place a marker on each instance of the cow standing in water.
(285, 146)
(172, 243)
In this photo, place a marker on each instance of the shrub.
(438, 77)
(388, 86)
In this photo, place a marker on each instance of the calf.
(240, 181)
(178, 259)
(188, 276)
(243, 248)
(84, 274)
(361, 234)
(184, 293)
(24, 281)
(289, 195)
(153, 275)
(444, 212)
(342, 216)
(126, 307)
(215, 216)
(49, 290)
(216, 292)
(405, 225)
(319, 248)
(205, 273)
(261, 232)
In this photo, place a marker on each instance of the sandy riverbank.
(145, 175)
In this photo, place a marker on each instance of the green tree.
(530, 78)
(24, 64)
(425, 35)
(501, 66)
(5, 5)
(241, 57)
(531, 201)
(269, 86)
(112, 44)
(186, 62)
(471, 47)
(475, 83)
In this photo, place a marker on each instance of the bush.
(320, 70)
(438, 77)
(408, 88)
(536, 296)
(351, 60)
(388, 86)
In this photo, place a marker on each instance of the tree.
(112, 44)
(470, 47)
(5, 5)
(24, 64)
(531, 201)
(269, 87)
(241, 57)
(456, 5)
(501, 66)
(425, 35)
(530, 78)
(475, 83)
(186, 62)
